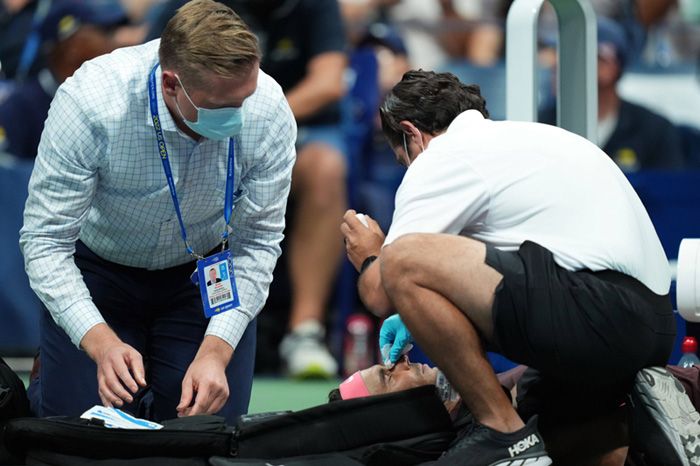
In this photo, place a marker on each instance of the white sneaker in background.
(305, 354)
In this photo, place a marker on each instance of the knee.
(320, 173)
(400, 266)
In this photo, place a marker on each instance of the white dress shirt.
(505, 182)
(98, 177)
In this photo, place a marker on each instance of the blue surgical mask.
(214, 123)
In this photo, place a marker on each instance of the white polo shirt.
(505, 182)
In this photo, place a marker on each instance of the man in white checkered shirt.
(102, 242)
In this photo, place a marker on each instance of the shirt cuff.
(229, 326)
(80, 317)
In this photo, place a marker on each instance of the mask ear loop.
(405, 149)
(188, 98)
(185, 91)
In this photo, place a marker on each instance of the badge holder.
(217, 283)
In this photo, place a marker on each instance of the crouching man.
(516, 237)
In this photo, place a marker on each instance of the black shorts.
(590, 329)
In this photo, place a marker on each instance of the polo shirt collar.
(466, 118)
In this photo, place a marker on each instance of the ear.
(170, 83)
(410, 129)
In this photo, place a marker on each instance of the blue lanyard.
(163, 151)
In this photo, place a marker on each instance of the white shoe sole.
(538, 461)
(671, 420)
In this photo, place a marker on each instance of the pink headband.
(353, 387)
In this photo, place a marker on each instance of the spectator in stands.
(357, 16)
(382, 46)
(473, 37)
(474, 31)
(20, 35)
(120, 209)
(482, 252)
(304, 50)
(419, 22)
(438, 31)
(633, 136)
(16, 17)
(391, 55)
(71, 34)
(306, 54)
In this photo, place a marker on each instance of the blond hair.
(207, 35)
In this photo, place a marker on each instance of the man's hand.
(361, 241)
(205, 387)
(394, 339)
(119, 366)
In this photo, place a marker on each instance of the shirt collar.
(166, 119)
(466, 118)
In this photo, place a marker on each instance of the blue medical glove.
(394, 339)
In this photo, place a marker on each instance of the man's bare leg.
(315, 243)
(444, 292)
(314, 255)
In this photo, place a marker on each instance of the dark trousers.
(160, 314)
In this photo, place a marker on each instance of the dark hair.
(430, 101)
(334, 395)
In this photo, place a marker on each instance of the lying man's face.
(378, 379)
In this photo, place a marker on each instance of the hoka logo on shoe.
(526, 443)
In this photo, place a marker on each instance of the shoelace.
(467, 436)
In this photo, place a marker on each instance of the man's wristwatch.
(366, 263)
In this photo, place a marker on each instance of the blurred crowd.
(335, 59)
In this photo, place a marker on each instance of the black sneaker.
(483, 446)
(665, 425)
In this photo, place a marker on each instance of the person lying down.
(599, 440)
(379, 379)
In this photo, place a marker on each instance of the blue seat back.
(19, 306)
(690, 138)
(672, 199)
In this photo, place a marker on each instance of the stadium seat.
(19, 306)
(690, 138)
(672, 199)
